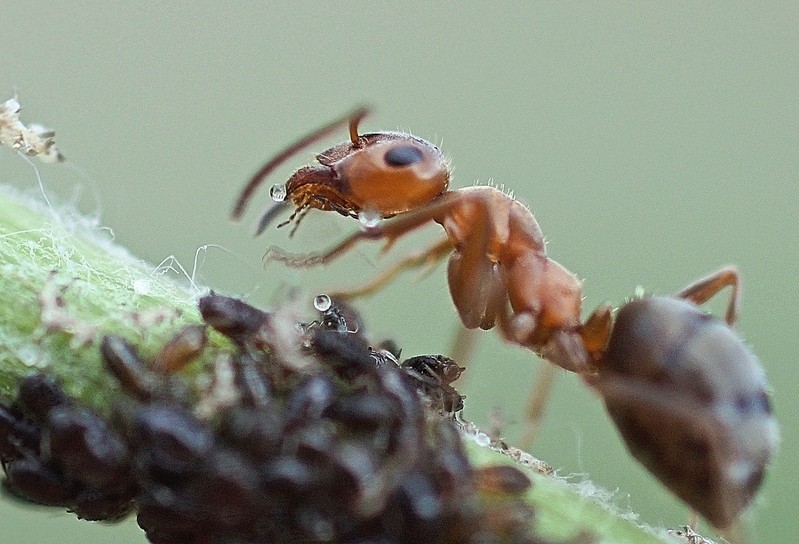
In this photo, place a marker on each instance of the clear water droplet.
(278, 192)
(369, 218)
(322, 302)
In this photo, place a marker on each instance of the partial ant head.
(378, 174)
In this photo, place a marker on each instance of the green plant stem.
(63, 285)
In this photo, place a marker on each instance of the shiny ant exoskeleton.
(687, 395)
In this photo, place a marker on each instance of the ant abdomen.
(689, 398)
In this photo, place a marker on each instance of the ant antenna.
(354, 119)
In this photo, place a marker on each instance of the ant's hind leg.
(537, 402)
(706, 288)
(426, 259)
(464, 346)
(594, 335)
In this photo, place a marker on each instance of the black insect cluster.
(343, 448)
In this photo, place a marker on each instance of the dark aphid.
(84, 448)
(417, 511)
(400, 389)
(100, 505)
(17, 435)
(166, 518)
(32, 479)
(138, 378)
(310, 399)
(367, 411)
(171, 444)
(347, 353)
(254, 386)
(227, 494)
(255, 433)
(357, 479)
(288, 475)
(232, 317)
(122, 360)
(453, 472)
(37, 395)
(433, 375)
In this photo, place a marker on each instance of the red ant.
(687, 395)
(497, 248)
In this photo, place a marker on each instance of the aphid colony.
(689, 398)
(354, 448)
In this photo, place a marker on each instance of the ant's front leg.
(389, 230)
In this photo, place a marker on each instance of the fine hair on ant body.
(687, 395)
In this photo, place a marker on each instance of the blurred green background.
(654, 143)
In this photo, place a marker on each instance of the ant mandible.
(685, 392)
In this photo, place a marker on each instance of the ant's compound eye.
(404, 155)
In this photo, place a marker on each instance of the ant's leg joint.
(519, 328)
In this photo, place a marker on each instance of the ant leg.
(306, 260)
(706, 288)
(538, 398)
(595, 333)
(537, 402)
(464, 343)
(426, 259)
(390, 230)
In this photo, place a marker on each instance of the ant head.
(382, 173)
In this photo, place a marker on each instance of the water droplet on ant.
(322, 303)
(369, 218)
(278, 192)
